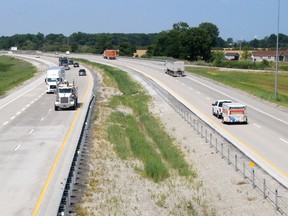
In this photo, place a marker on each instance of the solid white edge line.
(17, 148)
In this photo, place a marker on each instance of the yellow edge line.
(52, 170)
(229, 133)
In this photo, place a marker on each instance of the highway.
(264, 139)
(37, 145)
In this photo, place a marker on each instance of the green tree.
(212, 31)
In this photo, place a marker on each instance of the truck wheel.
(223, 122)
(218, 116)
(55, 108)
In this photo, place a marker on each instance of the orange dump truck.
(110, 54)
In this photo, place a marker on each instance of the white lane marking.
(257, 125)
(21, 95)
(12, 117)
(190, 88)
(283, 140)
(42, 119)
(27, 105)
(50, 109)
(198, 92)
(17, 148)
(31, 131)
(18, 113)
(5, 123)
(238, 100)
(23, 109)
(208, 98)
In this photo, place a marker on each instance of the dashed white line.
(50, 109)
(283, 140)
(42, 119)
(17, 148)
(23, 109)
(18, 113)
(257, 125)
(208, 98)
(12, 117)
(31, 131)
(27, 105)
(5, 123)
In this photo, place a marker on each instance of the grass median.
(13, 72)
(139, 133)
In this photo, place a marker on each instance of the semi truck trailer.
(110, 54)
(174, 68)
(54, 75)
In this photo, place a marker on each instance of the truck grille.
(52, 86)
(64, 100)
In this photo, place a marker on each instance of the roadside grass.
(140, 134)
(260, 84)
(13, 72)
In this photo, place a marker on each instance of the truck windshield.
(65, 90)
(53, 79)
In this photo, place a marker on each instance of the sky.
(237, 19)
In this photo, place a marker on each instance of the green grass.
(259, 84)
(139, 134)
(13, 72)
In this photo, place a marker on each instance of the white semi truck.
(54, 75)
(174, 68)
(66, 96)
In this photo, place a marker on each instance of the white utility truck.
(234, 113)
(66, 96)
(174, 68)
(54, 75)
(217, 107)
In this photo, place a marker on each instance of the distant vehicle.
(63, 61)
(76, 64)
(110, 54)
(37, 56)
(217, 107)
(70, 62)
(54, 75)
(82, 72)
(234, 113)
(66, 96)
(174, 68)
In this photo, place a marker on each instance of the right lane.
(264, 139)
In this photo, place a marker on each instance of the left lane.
(31, 135)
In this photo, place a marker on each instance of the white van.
(234, 113)
(54, 75)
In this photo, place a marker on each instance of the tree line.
(182, 41)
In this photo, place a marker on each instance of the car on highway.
(66, 67)
(76, 64)
(71, 62)
(82, 72)
(217, 107)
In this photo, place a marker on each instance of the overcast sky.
(239, 19)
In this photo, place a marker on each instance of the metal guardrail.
(259, 179)
(73, 184)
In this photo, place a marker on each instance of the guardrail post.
(264, 188)
(211, 140)
(244, 170)
(253, 179)
(194, 124)
(228, 156)
(222, 153)
(201, 131)
(236, 168)
(276, 200)
(216, 145)
(206, 139)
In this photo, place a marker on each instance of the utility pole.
(277, 55)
